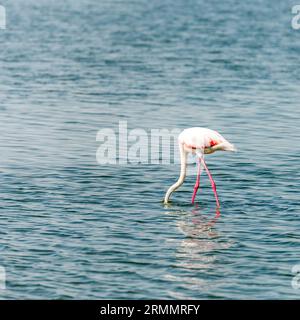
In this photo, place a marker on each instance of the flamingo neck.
(179, 182)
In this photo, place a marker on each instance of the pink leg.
(213, 185)
(196, 187)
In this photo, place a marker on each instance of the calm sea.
(71, 228)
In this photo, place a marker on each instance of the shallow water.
(71, 228)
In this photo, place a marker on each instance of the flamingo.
(198, 141)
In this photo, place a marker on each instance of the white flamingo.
(198, 141)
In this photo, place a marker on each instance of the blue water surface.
(72, 228)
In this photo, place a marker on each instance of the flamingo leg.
(213, 185)
(196, 187)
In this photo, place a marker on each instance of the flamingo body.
(203, 139)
